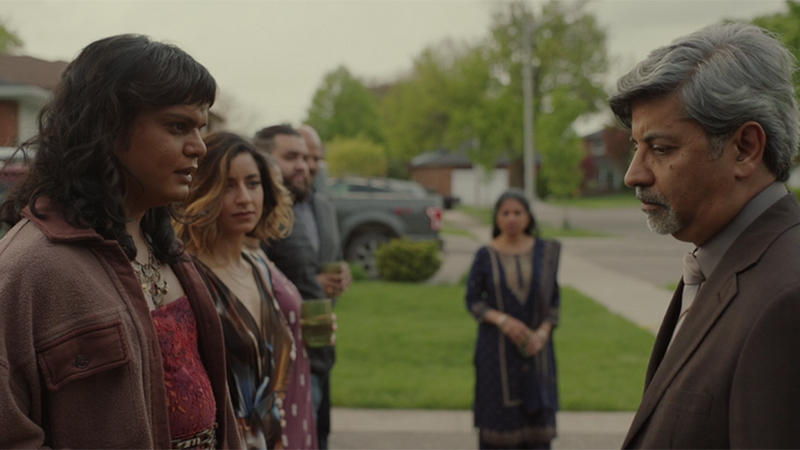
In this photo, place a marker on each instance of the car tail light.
(435, 214)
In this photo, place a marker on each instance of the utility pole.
(529, 169)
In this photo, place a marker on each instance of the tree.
(569, 57)
(356, 156)
(9, 41)
(561, 148)
(343, 107)
(418, 110)
(470, 96)
(787, 27)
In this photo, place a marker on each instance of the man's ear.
(749, 142)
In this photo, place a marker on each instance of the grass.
(411, 346)
(482, 214)
(622, 199)
(548, 232)
(449, 229)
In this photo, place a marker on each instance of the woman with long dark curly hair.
(108, 337)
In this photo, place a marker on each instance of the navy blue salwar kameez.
(516, 398)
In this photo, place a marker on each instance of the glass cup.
(317, 322)
(332, 267)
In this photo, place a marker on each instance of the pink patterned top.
(190, 400)
(300, 431)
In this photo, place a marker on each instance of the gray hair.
(725, 75)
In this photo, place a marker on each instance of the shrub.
(358, 272)
(404, 260)
(356, 156)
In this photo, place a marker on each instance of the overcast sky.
(269, 56)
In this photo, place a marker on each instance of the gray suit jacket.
(330, 248)
(731, 378)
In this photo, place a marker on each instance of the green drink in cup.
(332, 267)
(317, 322)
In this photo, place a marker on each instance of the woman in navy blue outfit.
(513, 293)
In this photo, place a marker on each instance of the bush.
(358, 272)
(404, 260)
(356, 156)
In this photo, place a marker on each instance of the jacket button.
(82, 361)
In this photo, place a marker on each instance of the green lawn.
(411, 345)
(449, 229)
(622, 199)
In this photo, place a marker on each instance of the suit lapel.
(706, 309)
(659, 350)
(712, 299)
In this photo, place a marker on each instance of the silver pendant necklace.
(149, 276)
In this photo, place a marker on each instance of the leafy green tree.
(343, 107)
(786, 26)
(470, 96)
(418, 110)
(356, 156)
(9, 41)
(569, 55)
(561, 148)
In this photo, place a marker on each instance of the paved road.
(633, 250)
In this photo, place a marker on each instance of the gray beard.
(662, 221)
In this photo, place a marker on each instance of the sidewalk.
(627, 272)
(427, 429)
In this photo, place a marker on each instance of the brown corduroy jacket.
(80, 363)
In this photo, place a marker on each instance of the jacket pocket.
(688, 402)
(82, 353)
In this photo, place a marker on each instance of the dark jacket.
(730, 378)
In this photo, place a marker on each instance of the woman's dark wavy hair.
(89, 120)
(514, 194)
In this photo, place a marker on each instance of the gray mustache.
(651, 197)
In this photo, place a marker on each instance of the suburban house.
(25, 85)
(452, 174)
(608, 153)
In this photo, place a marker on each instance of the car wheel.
(361, 250)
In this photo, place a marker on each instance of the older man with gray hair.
(715, 122)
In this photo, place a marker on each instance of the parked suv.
(371, 211)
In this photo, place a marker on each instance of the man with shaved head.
(318, 216)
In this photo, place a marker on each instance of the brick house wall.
(434, 178)
(9, 123)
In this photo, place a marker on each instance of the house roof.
(441, 158)
(446, 158)
(29, 70)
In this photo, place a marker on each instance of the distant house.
(607, 156)
(452, 174)
(25, 85)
